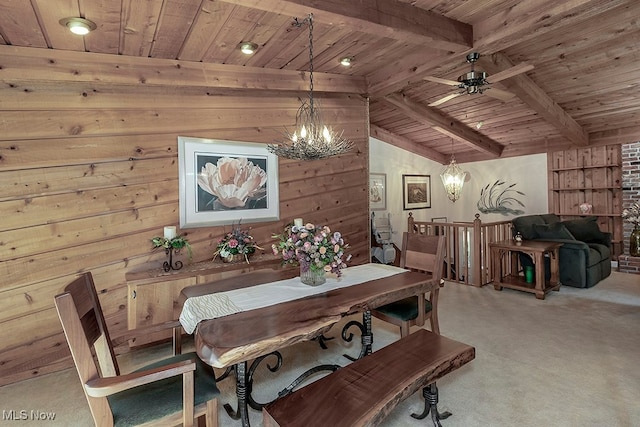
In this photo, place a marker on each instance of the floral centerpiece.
(314, 248)
(237, 242)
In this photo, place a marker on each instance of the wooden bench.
(364, 392)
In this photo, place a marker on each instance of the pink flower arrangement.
(313, 247)
(237, 241)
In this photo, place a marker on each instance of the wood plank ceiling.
(583, 88)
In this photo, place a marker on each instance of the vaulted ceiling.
(577, 81)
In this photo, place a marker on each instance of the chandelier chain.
(311, 139)
(311, 60)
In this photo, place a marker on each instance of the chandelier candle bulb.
(170, 232)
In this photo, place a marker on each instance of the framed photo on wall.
(377, 191)
(416, 191)
(225, 182)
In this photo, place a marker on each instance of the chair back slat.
(420, 261)
(82, 356)
(421, 252)
(89, 311)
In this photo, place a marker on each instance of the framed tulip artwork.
(225, 182)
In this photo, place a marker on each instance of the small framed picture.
(416, 191)
(377, 191)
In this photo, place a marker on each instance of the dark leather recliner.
(585, 256)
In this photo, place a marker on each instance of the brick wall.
(630, 194)
(629, 264)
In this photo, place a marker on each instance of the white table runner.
(220, 304)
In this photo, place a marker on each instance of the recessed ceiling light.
(248, 48)
(346, 61)
(79, 26)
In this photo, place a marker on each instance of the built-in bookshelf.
(591, 176)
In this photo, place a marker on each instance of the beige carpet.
(570, 360)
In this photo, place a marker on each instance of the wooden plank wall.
(89, 174)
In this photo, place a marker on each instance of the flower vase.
(313, 277)
(634, 241)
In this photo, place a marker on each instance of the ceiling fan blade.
(510, 72)
(441, 81)
(502, 95)
(445, 99)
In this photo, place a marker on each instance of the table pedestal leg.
(366, 333)
(241, 392)
(430, 394)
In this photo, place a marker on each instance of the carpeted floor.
(570, 360)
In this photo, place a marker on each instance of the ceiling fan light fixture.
(79, 26)
(248, 48)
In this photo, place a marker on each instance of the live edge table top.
(246, 335)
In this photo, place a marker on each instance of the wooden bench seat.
(364, 392)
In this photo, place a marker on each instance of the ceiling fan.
(476, 81)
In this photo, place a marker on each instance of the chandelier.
(311, 138)
(453, 178)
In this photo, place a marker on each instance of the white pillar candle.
(297, 222)
(169, 232)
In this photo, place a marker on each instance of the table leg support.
(241, 411)
(430, 394)
(366, 333)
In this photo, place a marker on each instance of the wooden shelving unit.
(588, 175)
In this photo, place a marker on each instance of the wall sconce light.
(346, 61)
(248, 48)
(79, 26)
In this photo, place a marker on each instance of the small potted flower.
(236, 245)
(314, 248)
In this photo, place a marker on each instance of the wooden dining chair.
(166, 393)
(425, 254)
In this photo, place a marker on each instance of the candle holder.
(170, 265)
(170, 246)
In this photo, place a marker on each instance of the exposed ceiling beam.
(625, 135)
(411, 69)
(537, 99)
(391, 18)
(60, 66)
(407, 144)
(445, 124)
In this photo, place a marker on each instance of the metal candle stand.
(170, 265)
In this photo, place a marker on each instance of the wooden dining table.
(234, 340)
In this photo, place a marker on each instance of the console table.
(153, 294)
(537, 250)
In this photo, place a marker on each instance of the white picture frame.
(225, 182)
(377, 191)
